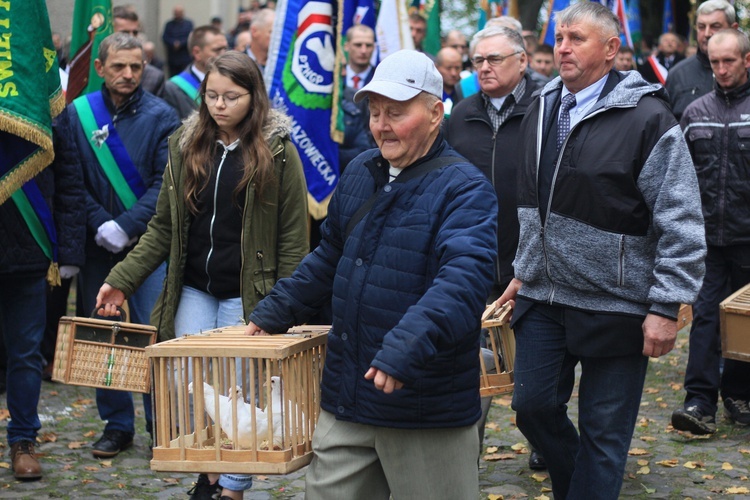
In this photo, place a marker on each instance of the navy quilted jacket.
(408, 288)
(143, 122)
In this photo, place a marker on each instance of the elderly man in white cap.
(406, 259)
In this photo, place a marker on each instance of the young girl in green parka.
(231, 217)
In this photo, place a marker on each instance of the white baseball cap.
(403, 75)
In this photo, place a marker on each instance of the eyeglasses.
(230, 100)
(492, 60)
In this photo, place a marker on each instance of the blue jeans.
(22, 322)
(199, 311)
(116, 407)
(590, 464)
(727, 270)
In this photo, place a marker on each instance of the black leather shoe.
(536, 461)
(111, 443)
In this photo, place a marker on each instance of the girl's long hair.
(201, 147)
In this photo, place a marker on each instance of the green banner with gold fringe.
(30, 93)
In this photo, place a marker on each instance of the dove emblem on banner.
(98, 137)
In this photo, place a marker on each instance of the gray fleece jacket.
(623, 231)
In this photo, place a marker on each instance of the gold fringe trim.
(35, 163)
(56, 102)
(53, 274)
(318, 210)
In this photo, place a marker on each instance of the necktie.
(356, 80)
(563, 124)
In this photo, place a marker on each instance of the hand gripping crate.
(229, 403)
(496, 360)
(103, 354)
(735, 325)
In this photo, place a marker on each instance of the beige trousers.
(357, 461)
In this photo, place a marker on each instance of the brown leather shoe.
(24, 462)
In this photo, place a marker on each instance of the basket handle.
(123, 314)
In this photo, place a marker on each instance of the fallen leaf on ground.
(644, 470)
(76, 445)
(171, 480)
(737, 490)
(53, 393)
(672, 462)
(726, 466)
(4, 414)
(546, 490)
(260, 478)
(120, 485)
(693, 465)
(82, 402)
(503, 401)
(89, 434)
(491, 449)
(539, 477)
(495, 497)
(650, 491)
(650, 390)
(675, 386)
(648, 439)
(541, 497)
(708, 477)
(92, 468)
(5, 465)
(637, 451)
(491, 426)
(493, 457)
(106, 464)
(642, 462)
(87, 481)
(48, 437)
(744, 451)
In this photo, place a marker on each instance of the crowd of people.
(592, 188)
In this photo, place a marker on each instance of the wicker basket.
(103, 354)
(214, 392)
(735, 325)
(496, 361)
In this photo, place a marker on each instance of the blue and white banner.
(299, 78)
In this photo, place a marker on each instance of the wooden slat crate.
(229, 403)
(496, 375)
(684, 316)
(735, 325)
(103, 354)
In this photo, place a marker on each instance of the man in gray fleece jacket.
(611, 242)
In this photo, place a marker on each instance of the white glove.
(111, 237)
(67, 272)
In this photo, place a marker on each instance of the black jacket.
(498, 156)
(61, 185)
(717, 131)
(689, 80)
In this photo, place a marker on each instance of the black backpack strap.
(405, 176)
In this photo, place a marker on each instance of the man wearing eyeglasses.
(181, 91)
(120, 136)
(485, 128)
(611, 242)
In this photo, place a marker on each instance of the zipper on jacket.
(621, 262)
(259, 256)
(723, 174)
(213, 218)
(492, 169)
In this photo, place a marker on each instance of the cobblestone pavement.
(663, 462)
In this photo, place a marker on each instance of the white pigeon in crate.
(277, 410)
(244, 415)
